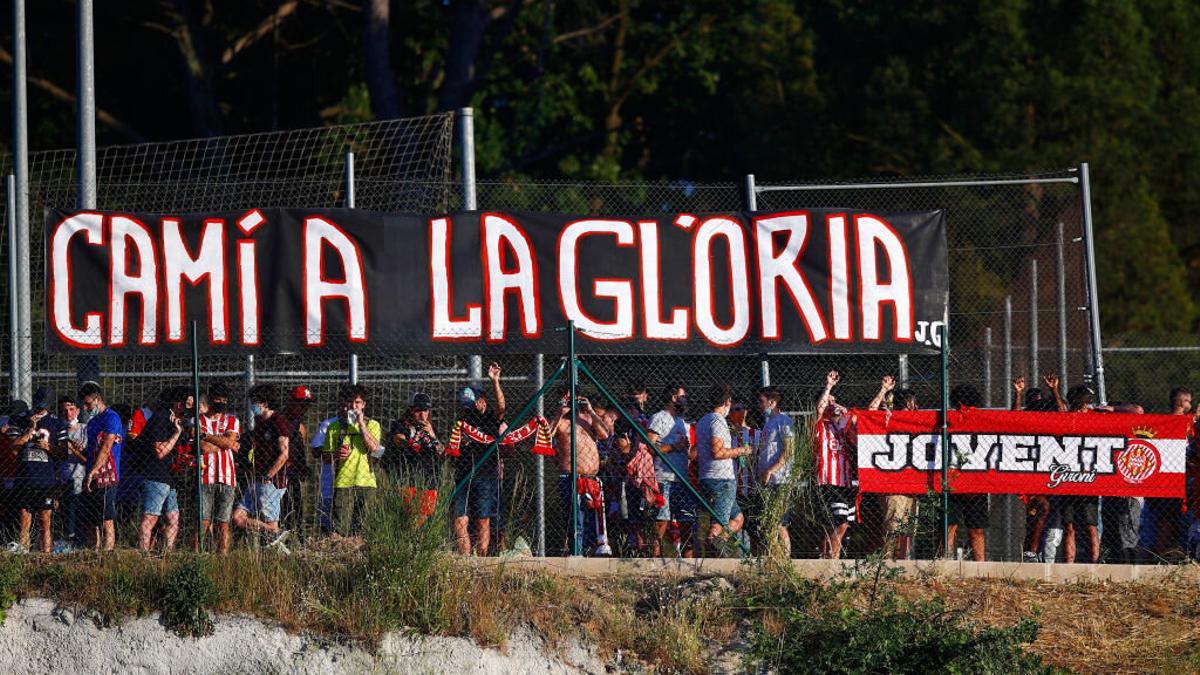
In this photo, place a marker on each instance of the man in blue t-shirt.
(105, 438)
(36, 439)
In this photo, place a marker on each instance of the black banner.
(292, 280)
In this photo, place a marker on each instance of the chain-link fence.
(1018, 307)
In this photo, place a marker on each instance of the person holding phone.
(353, 440)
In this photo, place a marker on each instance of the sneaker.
(15, 547)
(1031, 557)
(603, 551)
(277, 539)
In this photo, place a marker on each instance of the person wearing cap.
(476, 493)
(220, 435)
(297, 465)
(36, 482)
(414, 456)
(105, 443)
(352, 441)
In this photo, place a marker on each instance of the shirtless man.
(590, 429)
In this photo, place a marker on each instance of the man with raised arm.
(835, 468)
(475, 503)
(591, 428)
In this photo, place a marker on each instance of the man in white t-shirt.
(669, 432)
(773, 466)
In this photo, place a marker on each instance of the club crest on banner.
(1140, 459)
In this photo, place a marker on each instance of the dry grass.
(1092, 627)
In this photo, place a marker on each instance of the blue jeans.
(586, 521)
(158, 498)
(721, 494)
(678, 503)
(261, 501)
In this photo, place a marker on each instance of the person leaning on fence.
(36, 439)
(835, 468)
(629, 504)
(220, 440)
(414, 457)
(900, 512)
(353, 440)
(105, 443)
(259, 510)
(1037, 507)
(591, 429)
(668, 431)
(1080, 513)
(476, 493)
(717, 457)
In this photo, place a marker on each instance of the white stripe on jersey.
(833, 461)
(219, 466)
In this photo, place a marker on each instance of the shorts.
(838, 503)
(158, 498)
(1079, 510)
(678, 503)
(721, 495)
(969, 511)
(478, 499)
(35, 499)
(220, 495)
(261, 501)
(97, 506)
(898, 513)
(426, 502)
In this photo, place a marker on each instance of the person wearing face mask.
(70, 467)
(160, 447)
(105, 441)
(717, 456)
(220, 434)
(259, 510)
(668, 431)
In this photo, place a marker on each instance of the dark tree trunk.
(202, 103)
(381, 82)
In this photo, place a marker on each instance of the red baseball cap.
(302, 393)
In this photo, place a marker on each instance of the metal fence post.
(902, 372)
(573, 379)
(1034, 366)
(1061, 274)
(196, 431)
(248, 379)
(14, 357)
(987, 366)
(86, 367)
(20, 114)
(1089, 242)
(1008, 372)
(750, 199)
(945, 438)
(352, 367)
(466, 144)
(539, 463)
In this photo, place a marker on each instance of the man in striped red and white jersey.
(221, 431)
(835, 470)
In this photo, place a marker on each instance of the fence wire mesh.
(1005, 321)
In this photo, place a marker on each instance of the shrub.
(187, 594)
(859, 623)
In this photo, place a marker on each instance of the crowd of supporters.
(658, 475)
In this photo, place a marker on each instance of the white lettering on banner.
(896, 291)
(1061, 473)
(1008, 453)
(839, 278)
(657, 329)
(774, 267)
(619, 290)
(318, 233)
(500, 234)
(706, 319)
(208, 264)
(445, 326)
(91, 334)
(130, 236)
(248, 276)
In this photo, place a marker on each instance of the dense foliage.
(698, 90)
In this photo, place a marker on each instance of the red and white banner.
(999, 451)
